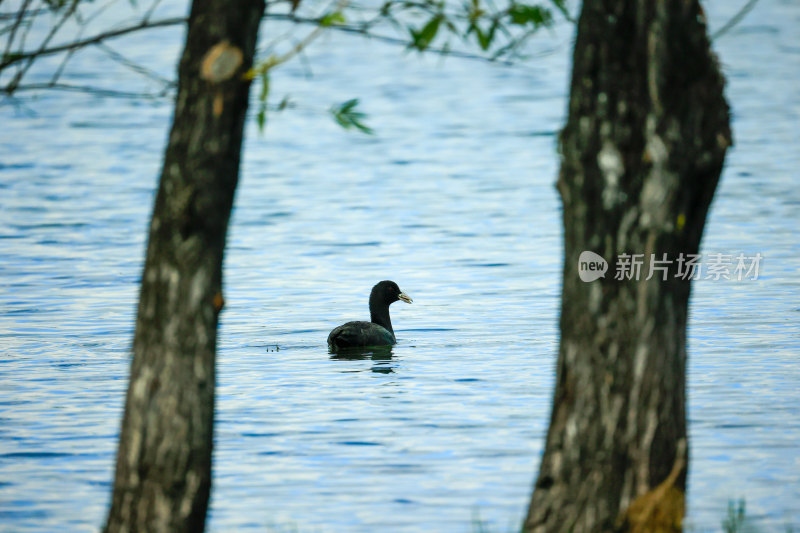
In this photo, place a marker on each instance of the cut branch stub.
(221, 62)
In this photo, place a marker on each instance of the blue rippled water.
(453, 199)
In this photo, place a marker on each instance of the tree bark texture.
(642, 152)
(163, 471)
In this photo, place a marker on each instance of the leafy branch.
(471, 29)
(262, 69)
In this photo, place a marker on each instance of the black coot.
(379, 331)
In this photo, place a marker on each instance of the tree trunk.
(642, 151)
(163, 472)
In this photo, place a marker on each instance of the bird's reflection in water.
(381, 354)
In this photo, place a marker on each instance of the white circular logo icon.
(591, 266)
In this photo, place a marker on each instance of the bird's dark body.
(378, 331)
(360, 333)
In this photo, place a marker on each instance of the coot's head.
(387, 292)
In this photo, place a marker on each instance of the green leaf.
(261, 118)
(348, 106)
(332, 19)
(347, 117)
(423, 38)
(523, 14)
(484, 38)
(263, 96)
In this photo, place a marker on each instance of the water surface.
(453, 199)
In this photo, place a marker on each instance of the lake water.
(453, 199)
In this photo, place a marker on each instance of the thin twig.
(62, 66)
(56, 27)
(316, 32)
(139, 69)
(736, 19)
(8, 15)
(17, 22)
(28, 25)
(150, 11)
(99, 11)
(91, 90)
(359, 30)
(144, 25)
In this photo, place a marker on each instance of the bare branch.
(56, 27)
(144, 25)
(92, 90)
